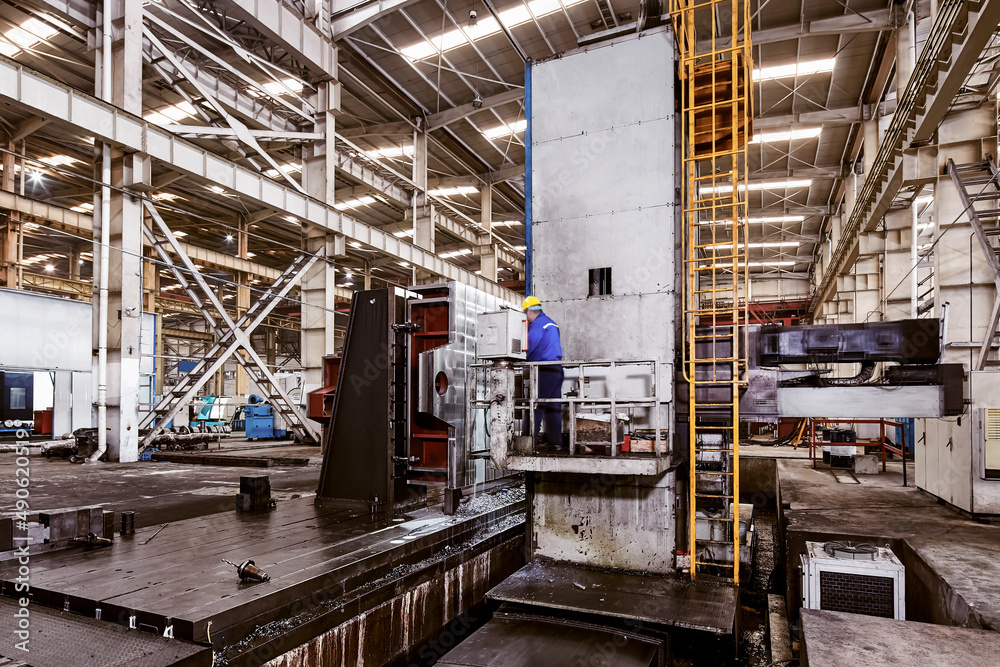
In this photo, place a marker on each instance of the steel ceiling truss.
(231, 335)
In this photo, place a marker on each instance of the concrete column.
(242, 303)
(319, 158)
(487, 251)
(11, 226)
(962, 277)
(898, 262)
(422, 214)
(125, 251)
(318, 307)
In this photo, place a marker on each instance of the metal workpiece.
(500, 413)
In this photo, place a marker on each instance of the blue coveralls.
(544, 345)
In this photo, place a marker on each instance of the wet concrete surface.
(834, 639)
(159, 492)
(951, 560)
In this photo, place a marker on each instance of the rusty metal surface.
(651, 599)
(515, 642)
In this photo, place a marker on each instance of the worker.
(544, 345)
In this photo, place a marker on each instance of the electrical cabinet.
(502, 335)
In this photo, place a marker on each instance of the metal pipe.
(102, 312)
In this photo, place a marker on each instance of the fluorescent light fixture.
(507, 223)
(276, 89)
(354, 203)
(788, 184)
(217, 189)
(787, 135)
(455, 253)
(506, 130)
(58, 160)
(484, 27)
(292, 219)
(783, 263)
(763, 244)
(448, 192)
(520, 247)
(171, 114)
(403, 234)
(354, 244)
(765, 220)
(795, 69)
(391, 152)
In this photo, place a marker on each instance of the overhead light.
(781, 263)
(229, 238)
(764, 220)
(405, 264)
(83, 208)
(292, 219)
(171, 114)
(520, 247)
(180, 234)
(473, 19)
(58, 160)
(455, 253)
(403, 234)
(477, 103)
(391, 152)
(251, 254)
(354, 244)
(788, 135)
(354, 203)
(788, 184)
(762, 244)
(448, 192)
(505, 130)
(80, 261)
(507, 223)
(795, 69)
(510, 18)
(50, 268)
(287, 85)
(25, 36)
(35, 176)
(288, 168)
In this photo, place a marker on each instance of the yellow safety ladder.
(716, 99)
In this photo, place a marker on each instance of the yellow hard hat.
(529, 302)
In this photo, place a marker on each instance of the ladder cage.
(715, 66)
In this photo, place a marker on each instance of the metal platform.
(61, 638)
(178, 583)
(678, 602)
(524, 642)
(589, 465)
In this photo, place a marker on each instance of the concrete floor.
(834, 639)
(159, 492)
(952, 564)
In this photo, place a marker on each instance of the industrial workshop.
(499, 333)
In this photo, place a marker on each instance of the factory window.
(600, 281)
(17, 396)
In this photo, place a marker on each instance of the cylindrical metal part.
(128, 523)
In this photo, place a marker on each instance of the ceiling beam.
(279, 23)
(32, 90)
(28, 126)
(348, 19)
(475, 180)
(436, 121)
(836, 116)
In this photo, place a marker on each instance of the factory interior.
(481, 333)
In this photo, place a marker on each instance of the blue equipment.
(259, 420)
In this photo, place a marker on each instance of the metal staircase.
(984, 179)
(715, 64)
(231, 336)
